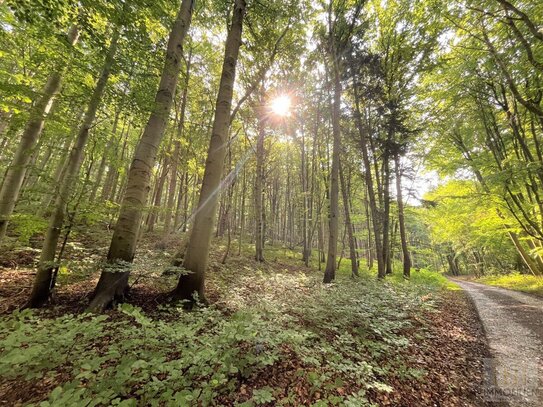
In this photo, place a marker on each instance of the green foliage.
(516, 281)
(27, 225)
(426, 280)
(263, 395)
(463, 220)
(348, 333)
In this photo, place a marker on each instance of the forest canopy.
(374, 138)
(331, 125)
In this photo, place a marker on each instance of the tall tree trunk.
(227, 215)
(369, 242)
(42, 281)
(159, 188)
(258, 192)
(348, 223)
(182, 200)
(13, 180)
(177, 151)
(102, 166)
(306, 250)
(375, 215)
(200, 236)
(242, 214)
(401, 219)
(330, 270)
(113, 282)
(112, 171)
(387, 255)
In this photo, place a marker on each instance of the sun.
(281, 105)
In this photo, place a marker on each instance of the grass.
(517, 282)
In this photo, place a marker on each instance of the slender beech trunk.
(112, 171)
(242, 215)
(182, 201)
(306, 250)
(376, 219)
(348, 223)
(49, 199)
(38, 172)
(200, 236)
(13, 180)
(258, 192)
(369, 242)
(227, 214)
(154, 214)
(330, 270)
(387, 260)
(42, 283)
(102, 166)
(401, 219)
(177, 152)
(113, 282)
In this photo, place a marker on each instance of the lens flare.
(281, 105)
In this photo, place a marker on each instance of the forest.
(271, 202)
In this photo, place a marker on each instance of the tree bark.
(11, 186)
(200, 236)
(113, 283)
(330, 270)
(177, 151)
(102, 166)
(376, 219)
(401, 219)
(306, 250)
(348, 223)
(42, 282)
(154, 212)
(387, 255)
(258, 192)
(242, 214)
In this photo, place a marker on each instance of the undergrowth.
(341, 343)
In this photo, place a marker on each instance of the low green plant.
(27, 225)
(350, 334)
(516, 281)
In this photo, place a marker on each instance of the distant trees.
(13, 179)
(493, 124)
(378, 92)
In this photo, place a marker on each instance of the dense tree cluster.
(295, 122)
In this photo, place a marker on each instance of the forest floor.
(273, 335)
(518, 364)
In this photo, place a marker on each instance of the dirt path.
(513, 323)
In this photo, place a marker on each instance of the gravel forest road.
(513, 324)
